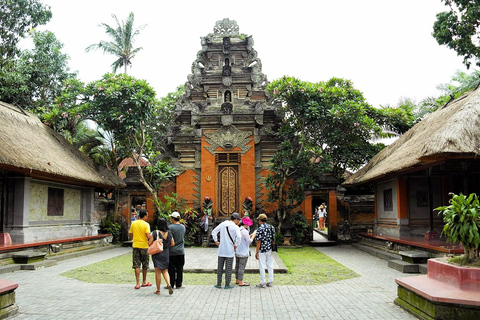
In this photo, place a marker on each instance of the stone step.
(382, 254)
(28, 257)
(415, 256)
(404, 266)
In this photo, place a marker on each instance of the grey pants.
(228, 262)
(240, 264)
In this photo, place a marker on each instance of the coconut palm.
(121, 45)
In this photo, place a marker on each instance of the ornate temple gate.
(223, 139)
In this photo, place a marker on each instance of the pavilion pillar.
(402, 207)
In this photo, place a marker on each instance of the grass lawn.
(306, 266)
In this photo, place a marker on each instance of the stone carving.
(226, 45)
(227, 108)
(226, 27)
(228, 137)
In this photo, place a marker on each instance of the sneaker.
(229, 287)
(269, 284)
(217, 286)
(261, 285)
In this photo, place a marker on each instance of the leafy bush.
(301, 229)
(462, 223)
(108, 225)
(189, 216)
(278, 238)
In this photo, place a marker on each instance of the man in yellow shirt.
(140, 232)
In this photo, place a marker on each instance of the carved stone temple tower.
(222, 141)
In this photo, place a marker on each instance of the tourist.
(321, 217)
(243, 251)
(316, 217)
(264, 236)
(140, 233)
(177, 252)
(230, 236)
(160, 260)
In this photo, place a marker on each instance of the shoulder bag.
(156, 246)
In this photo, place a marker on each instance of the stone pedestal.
(8, 307)
(446, 292)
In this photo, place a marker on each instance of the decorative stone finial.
(226, 27)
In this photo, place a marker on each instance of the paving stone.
(45, 294)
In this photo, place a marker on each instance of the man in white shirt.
(230, 238)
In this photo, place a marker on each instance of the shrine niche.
(222, 140)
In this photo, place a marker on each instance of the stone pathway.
(44, 294)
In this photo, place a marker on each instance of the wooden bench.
(19, 246)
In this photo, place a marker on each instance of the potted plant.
(462, 223)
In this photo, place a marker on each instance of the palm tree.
(122, 42)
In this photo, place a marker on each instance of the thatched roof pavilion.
(30, 148)
(452, 132)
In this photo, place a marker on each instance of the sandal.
(244, 284)
(137, 287)
(148, 284)
(157, 292)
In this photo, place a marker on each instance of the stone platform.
(446, 292)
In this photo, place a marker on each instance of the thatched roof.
(29, 147)
(451, 132)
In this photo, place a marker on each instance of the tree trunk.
(471, 254)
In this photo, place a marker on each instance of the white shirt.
(321, 213)
(226, 248)
(244, 246)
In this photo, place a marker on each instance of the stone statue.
(206, 222)
(247, 206)
(227, 69)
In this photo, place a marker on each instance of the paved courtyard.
(44, 294)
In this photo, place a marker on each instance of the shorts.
(140, 258)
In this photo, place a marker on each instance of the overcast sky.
(385, 46)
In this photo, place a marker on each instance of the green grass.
(306, 266)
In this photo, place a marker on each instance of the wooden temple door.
(227, 190)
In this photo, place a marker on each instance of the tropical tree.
(16, 18)
(36, 77)
(327, 128)
(461, 83)
(458, 29)
(125, 106)
(121, 44)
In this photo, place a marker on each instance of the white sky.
(384, 46)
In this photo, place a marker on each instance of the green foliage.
(121, 104)
(278, 238)
(461, 83)
(462, 223)
(189, 216)
(36, 77)
(458, 29)
(16, 18)
(108, 225)
(327, 128)
(301, 229)
(123, 37)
